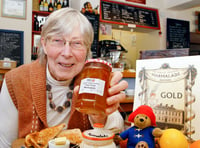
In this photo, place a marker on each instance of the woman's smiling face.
(64, 59)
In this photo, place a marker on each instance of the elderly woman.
(66, 38)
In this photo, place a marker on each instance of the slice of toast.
(41, 139)
(73, 135)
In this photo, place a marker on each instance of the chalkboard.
(125, 14)
(11, 45)
(198, 22)
(94, 20)
(178, 33)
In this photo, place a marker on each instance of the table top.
(18, 143)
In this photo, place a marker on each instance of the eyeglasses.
(60, 43)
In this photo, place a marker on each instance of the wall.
(151, 40)
(20, 25)
(138, 40)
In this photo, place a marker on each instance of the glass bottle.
(41, 24)
(36, 23)
(45, 5)
(65, 3)
(41, 6)
(59, 5)
(50, 6)
(55, 5)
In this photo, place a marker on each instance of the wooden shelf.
(194, 43)
(127, 104)
(3, 71)
(40, 14)
(194, 38)
(43, 13)
(128, 74)
(36, 32)
(129, 99)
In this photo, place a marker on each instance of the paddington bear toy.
(144, 131)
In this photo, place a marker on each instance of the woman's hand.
(116, 92)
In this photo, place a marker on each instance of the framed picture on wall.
(14, 8)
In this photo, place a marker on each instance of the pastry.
(73, 135)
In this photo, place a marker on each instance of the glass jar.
(94, 83)
(98, 137)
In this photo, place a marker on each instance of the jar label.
(92, 86)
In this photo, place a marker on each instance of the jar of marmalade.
(98, 138)
(94, 83)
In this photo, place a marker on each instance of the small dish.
(53, 145)
(130, 92)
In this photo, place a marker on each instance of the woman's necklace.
(66, 104)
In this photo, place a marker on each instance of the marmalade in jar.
(94, 84)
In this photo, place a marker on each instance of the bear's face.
(142, 121)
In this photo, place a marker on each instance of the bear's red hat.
(143, 109)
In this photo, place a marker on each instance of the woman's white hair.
(62, 22)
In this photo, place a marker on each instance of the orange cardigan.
(27, 88)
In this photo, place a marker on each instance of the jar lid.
(98, 133)
(99, 61)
